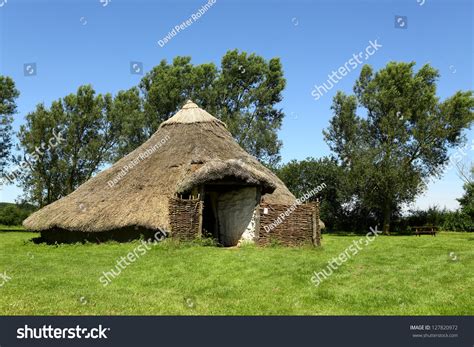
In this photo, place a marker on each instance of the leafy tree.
(8, 94)
(433, 215)
(14, 214)
(243, 93)
(166, 87)
(248, 89)
(458, 221)
(86, 130)
(404, 137)
(467, 200)
(302, 176)
(126, 114)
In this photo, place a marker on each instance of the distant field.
(11, 228)
(394, 275)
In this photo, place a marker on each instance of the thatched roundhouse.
(190, 179)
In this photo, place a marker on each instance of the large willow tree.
(402, 137)
(8, 94)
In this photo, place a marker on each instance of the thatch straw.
(189, 149)
(216, 170)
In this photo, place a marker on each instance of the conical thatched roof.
(189, 149)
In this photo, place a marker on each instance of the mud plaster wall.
(249, 233)
(235, 211)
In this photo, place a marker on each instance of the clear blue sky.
(84, 42)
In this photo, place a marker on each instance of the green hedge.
(14, 214)
(443, 219)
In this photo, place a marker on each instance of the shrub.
(13, 214)
(434, 216)
(458, 221)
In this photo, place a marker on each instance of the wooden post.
(201, 207)
(316, 230)
(319, 236)
(313, 219)
(199, 233)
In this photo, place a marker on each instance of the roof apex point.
(189, 104)
(191, 113)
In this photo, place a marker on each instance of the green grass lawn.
(394, 275)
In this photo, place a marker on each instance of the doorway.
(228, 212)
(210, 228)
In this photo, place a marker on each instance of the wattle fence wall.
(281, 224)
(185, 215)
(278, 223)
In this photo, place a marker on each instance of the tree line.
(385, 159)
(342, 210)
(380, 160)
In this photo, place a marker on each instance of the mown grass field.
(394, 275)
